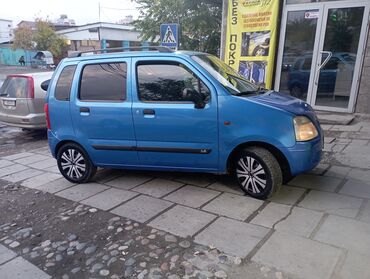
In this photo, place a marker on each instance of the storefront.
(322, 55)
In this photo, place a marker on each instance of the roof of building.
(97, 25)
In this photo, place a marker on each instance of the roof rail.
(122, 49)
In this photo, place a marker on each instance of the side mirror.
(193, 96)
(45, 85)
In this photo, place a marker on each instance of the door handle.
(84, 109)
(149, 112)
(330, 54)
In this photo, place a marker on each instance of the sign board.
(251, 39)
(311, 14)
(170, 35)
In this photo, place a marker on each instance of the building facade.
(6, 30)
(323, 53)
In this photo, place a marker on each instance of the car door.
(101, 112)
(170, 131)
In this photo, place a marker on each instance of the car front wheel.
(74, 163)
(258, 172)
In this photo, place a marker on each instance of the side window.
(64, 83)
(103, 82)
(332, 64)
(166, 82)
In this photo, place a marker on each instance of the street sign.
(170, 35)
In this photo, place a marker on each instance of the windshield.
(227, 76)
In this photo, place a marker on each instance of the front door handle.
(149, 112)
(84, 109)
(330, 54)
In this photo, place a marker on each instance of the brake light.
(47, 116)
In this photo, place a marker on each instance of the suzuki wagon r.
(176, 111)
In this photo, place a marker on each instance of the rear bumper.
(29, 121)
(53, 142)
(305, 156)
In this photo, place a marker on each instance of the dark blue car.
(176, 111)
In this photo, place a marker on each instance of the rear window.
(103, 82)
(63, 87)
(15, 87)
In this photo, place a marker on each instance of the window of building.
(64, 83)
(103, 82)
(168, 82)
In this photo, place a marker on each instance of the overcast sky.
(82, 11)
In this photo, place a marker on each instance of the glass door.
(320, 51)
(295, 73)
(339, 56)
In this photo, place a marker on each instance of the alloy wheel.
(73, 163)
(251, 175)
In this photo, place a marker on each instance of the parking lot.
(128, 224)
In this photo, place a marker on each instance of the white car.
(22, 100)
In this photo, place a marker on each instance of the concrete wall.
(9, 56)
(363, 99)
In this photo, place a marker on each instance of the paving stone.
(355, 266)
(322, 183)
(355, 156)
(53, 169)
(109, 198)
(41, 179)
(271, 214)
(18, 156)
(226, 187)
(326, 127)
(192, 196)
(332, 203)
(82, 191)
(11, 169)
(232, 237)
(319, 169)
(346, 233)
(300, 222)
(287, 195)
(21, 175)
(128, 181)
(365, 214)
(158, 187)
(19, 268)
(182, 221)
(142, 208)
(338, 171)
(356, 188)
(5, 163)
(301, 257)
(329, 139)
(358, 174)
(31, 159)
(50, 162)
(55, 185)
(233, 206)
(195, 179)
(359, 142)
(6, 254)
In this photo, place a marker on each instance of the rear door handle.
(149, 112)
(84, 109)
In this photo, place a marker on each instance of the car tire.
(74, 163)
(258, 172)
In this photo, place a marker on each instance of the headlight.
(304, 129)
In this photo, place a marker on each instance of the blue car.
(176, 111)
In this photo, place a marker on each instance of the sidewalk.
(318, 226)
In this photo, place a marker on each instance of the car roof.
(130, 54)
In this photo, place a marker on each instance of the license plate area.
(9, 103)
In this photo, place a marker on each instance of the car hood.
(287, 103)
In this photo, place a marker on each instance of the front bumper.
(305, 156)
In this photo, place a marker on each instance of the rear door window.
(15, 87)
(103, 82)
(63, 87)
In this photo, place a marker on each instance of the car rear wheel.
(74, 163)
(258, 172)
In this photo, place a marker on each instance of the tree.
(200, 21)
(43, 38)
(23, 38)
(46, 38)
